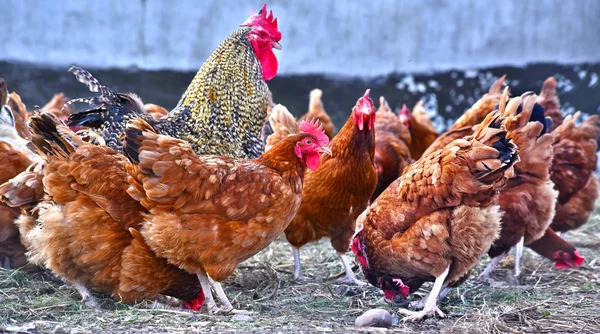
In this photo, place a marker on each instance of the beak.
(276, 45)
(325, 149)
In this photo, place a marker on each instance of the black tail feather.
(90, 118)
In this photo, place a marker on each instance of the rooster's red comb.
(265, 21)
(316, 129)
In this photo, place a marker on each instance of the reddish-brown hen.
(439, 217)
(528, 199)
(88, 224)
(573, 169)
(392, 142)
(340, 190)
(420, 127)
(208, 213)
(14, 159)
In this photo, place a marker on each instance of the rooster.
(339, 191)
(209, 213)
(224, 108)
(436, 220)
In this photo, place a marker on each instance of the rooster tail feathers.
(91, 118)
(51, 137)
(134, 135)
(91, 82)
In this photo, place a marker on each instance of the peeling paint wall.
(337, 37)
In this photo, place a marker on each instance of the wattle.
(268, 63)
(313, 161)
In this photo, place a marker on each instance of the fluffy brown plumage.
(421, 130)
(86, 229)
(317, 111)
(439, 217)
(549, 100)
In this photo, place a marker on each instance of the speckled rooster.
(222, 111)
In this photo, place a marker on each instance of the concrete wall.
(340, 37)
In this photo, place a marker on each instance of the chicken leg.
(86, 296)
(211, 305)
(6, 262)
(485, 275)
(216, 286)
(297, 267)
(518, 256)
(430, 308)
(349, 278)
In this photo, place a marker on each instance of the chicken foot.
(419, 304)
(208, 285)
(218, 289)
(430, 308)
(485, 275)
(86, 296)
(349, 278)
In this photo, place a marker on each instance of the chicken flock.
(132, 200)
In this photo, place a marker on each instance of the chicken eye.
(308, 142)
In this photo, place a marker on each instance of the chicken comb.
(316, 129)
(266, 21)
(365, 102)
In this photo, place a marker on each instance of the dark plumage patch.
(45, 135)
(132, 142)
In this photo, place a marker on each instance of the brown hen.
(439, 217)
(208, 213)
(392, 142)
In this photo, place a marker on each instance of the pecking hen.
(436, 220)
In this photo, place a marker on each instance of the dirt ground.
(546, 301)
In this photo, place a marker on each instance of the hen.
(527, 201)
(86, 229)
(392, 142)
(573, 169)
(420, 127)
(339, 191)
(473, 116)
(436, 220)
(208, 213)
(317, 111)
(224, 108)
(14, 159)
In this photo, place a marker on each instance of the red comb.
(316, 129)
(404, 110)
(263, 20)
